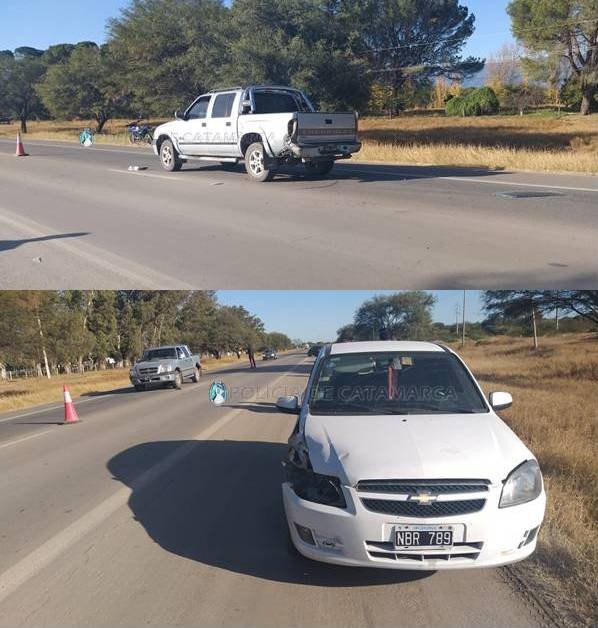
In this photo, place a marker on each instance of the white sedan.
(398, 461)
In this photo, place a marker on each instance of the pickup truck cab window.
(199, 109)
(223, 105)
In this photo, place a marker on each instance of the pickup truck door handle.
(228, 124)
(204, 124)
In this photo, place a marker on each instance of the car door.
(193, 132)
(222, 121)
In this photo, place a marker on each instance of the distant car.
(5, 120)
(270, 354)
(165, 366)
(314, 351)
(398, 461)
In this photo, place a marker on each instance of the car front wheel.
(178, 380)
(169, 157)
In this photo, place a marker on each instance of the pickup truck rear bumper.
(325, 152)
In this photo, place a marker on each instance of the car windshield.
(394, 383)
(159, 354)
(279, 102)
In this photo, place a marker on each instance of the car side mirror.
(500, 400)
(288, 404)
(246, 107)
(179, 116)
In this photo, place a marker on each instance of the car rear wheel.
(260, 167)
(169, 157)
(319, 168)
(178, 380)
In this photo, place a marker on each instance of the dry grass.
(536, 142)
(556, 413)
(33, 391)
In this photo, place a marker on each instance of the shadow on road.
(9, 245)
(354, 171)
(269, 367)
(221, 505)
(109, 393)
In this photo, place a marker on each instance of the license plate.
(415, 536)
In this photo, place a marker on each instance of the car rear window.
(395, 383)
(278, 102)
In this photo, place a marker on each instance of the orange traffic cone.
(20, 148)
(70, 414)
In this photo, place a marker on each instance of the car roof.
(385, 346)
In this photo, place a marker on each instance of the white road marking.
(121, 267)
(51, 408)
(410, 175)
(34, 562)
(147, 174)
(20, 440)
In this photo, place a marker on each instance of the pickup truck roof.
(244, 87)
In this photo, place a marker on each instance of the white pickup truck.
(263, 125)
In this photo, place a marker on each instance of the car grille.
(413, 487)
(460, 552)
(150, 370)
(434, 509)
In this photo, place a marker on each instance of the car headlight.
(522, 485)
(315, 487)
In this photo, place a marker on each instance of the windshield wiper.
(358, 406)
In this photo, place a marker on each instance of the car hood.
(449, 446)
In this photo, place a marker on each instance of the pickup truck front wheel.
(169, 158)
(319, 168)
(260, 167)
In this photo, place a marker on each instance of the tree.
(566, 27)
(346, 333)
(307, 48)
(503, 68)
(404, 315)
(171, 50)
(18, 77)
(86, 85)
(412, 39)
(277, 341)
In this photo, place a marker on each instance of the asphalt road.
(160, 509)
(77, 218)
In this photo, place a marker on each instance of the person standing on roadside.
(251, 356)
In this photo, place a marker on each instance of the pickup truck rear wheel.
(169, 157)
(319, 168)
(260, 167)
(196, 376)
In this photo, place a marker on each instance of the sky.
(316, 315)
(41, 23)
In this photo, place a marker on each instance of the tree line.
(51, 332)
(408, 316)
(370, 55)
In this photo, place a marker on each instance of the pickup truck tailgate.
(318, 128)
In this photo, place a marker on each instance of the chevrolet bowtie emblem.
(425, 498)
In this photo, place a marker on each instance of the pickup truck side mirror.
(246, 107)
(500, 400)
(179, 116)
(288, 404)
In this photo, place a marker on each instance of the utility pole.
(463, 322)
(457, 312)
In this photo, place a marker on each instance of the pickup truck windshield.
(279, 102)
(394, 383)
(159, 354)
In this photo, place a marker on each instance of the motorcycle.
(140, 133)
